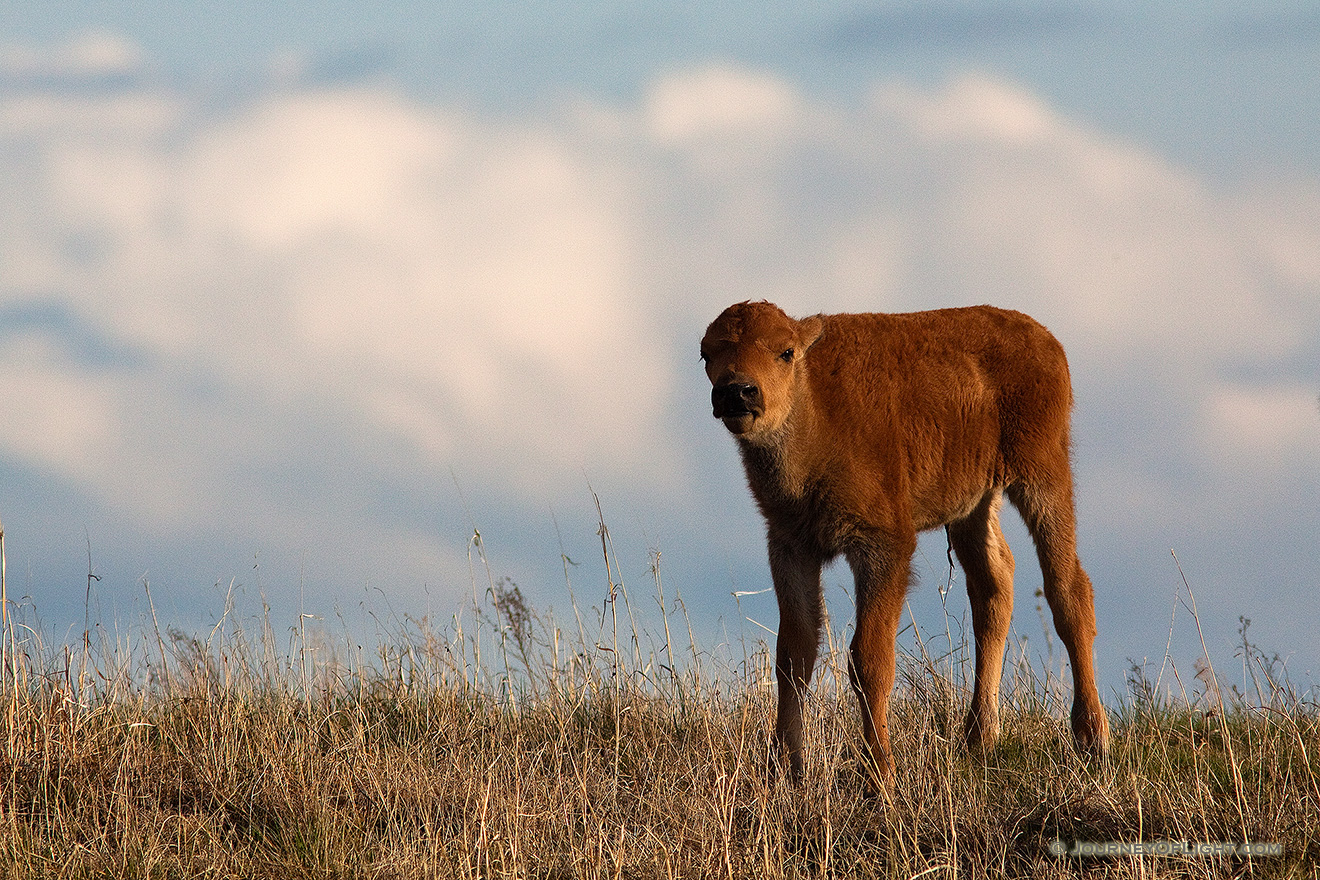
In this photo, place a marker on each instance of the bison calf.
(859, 431)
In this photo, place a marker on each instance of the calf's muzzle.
(735, 399)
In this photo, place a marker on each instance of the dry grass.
(507, 744)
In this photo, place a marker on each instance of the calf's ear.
(809, 330)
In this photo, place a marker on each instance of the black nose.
(734, 399)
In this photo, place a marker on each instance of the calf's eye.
(787, 356)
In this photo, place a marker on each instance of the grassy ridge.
(510, 744)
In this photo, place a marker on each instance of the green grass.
(508, 743)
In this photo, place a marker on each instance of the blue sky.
(297, 298)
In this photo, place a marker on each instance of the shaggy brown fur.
(859, 431)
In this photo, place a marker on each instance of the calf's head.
(754, 359)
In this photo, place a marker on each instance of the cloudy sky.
(295, 299)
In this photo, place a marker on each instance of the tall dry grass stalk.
(505, 744)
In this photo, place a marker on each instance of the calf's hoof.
(1091, 731)
(981, 732)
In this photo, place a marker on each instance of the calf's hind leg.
(988, 565)
(881, 581)
(1047, 509)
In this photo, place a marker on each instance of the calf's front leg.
(796, 575)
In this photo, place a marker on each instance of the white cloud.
(346, 250)
(974, 108)
(120, 437)
(93, 53)
(1282, 219)
(1264, 429)
(1108, 243)
(718, 101)
(303, 165)
(55, 417)
(332, 295)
